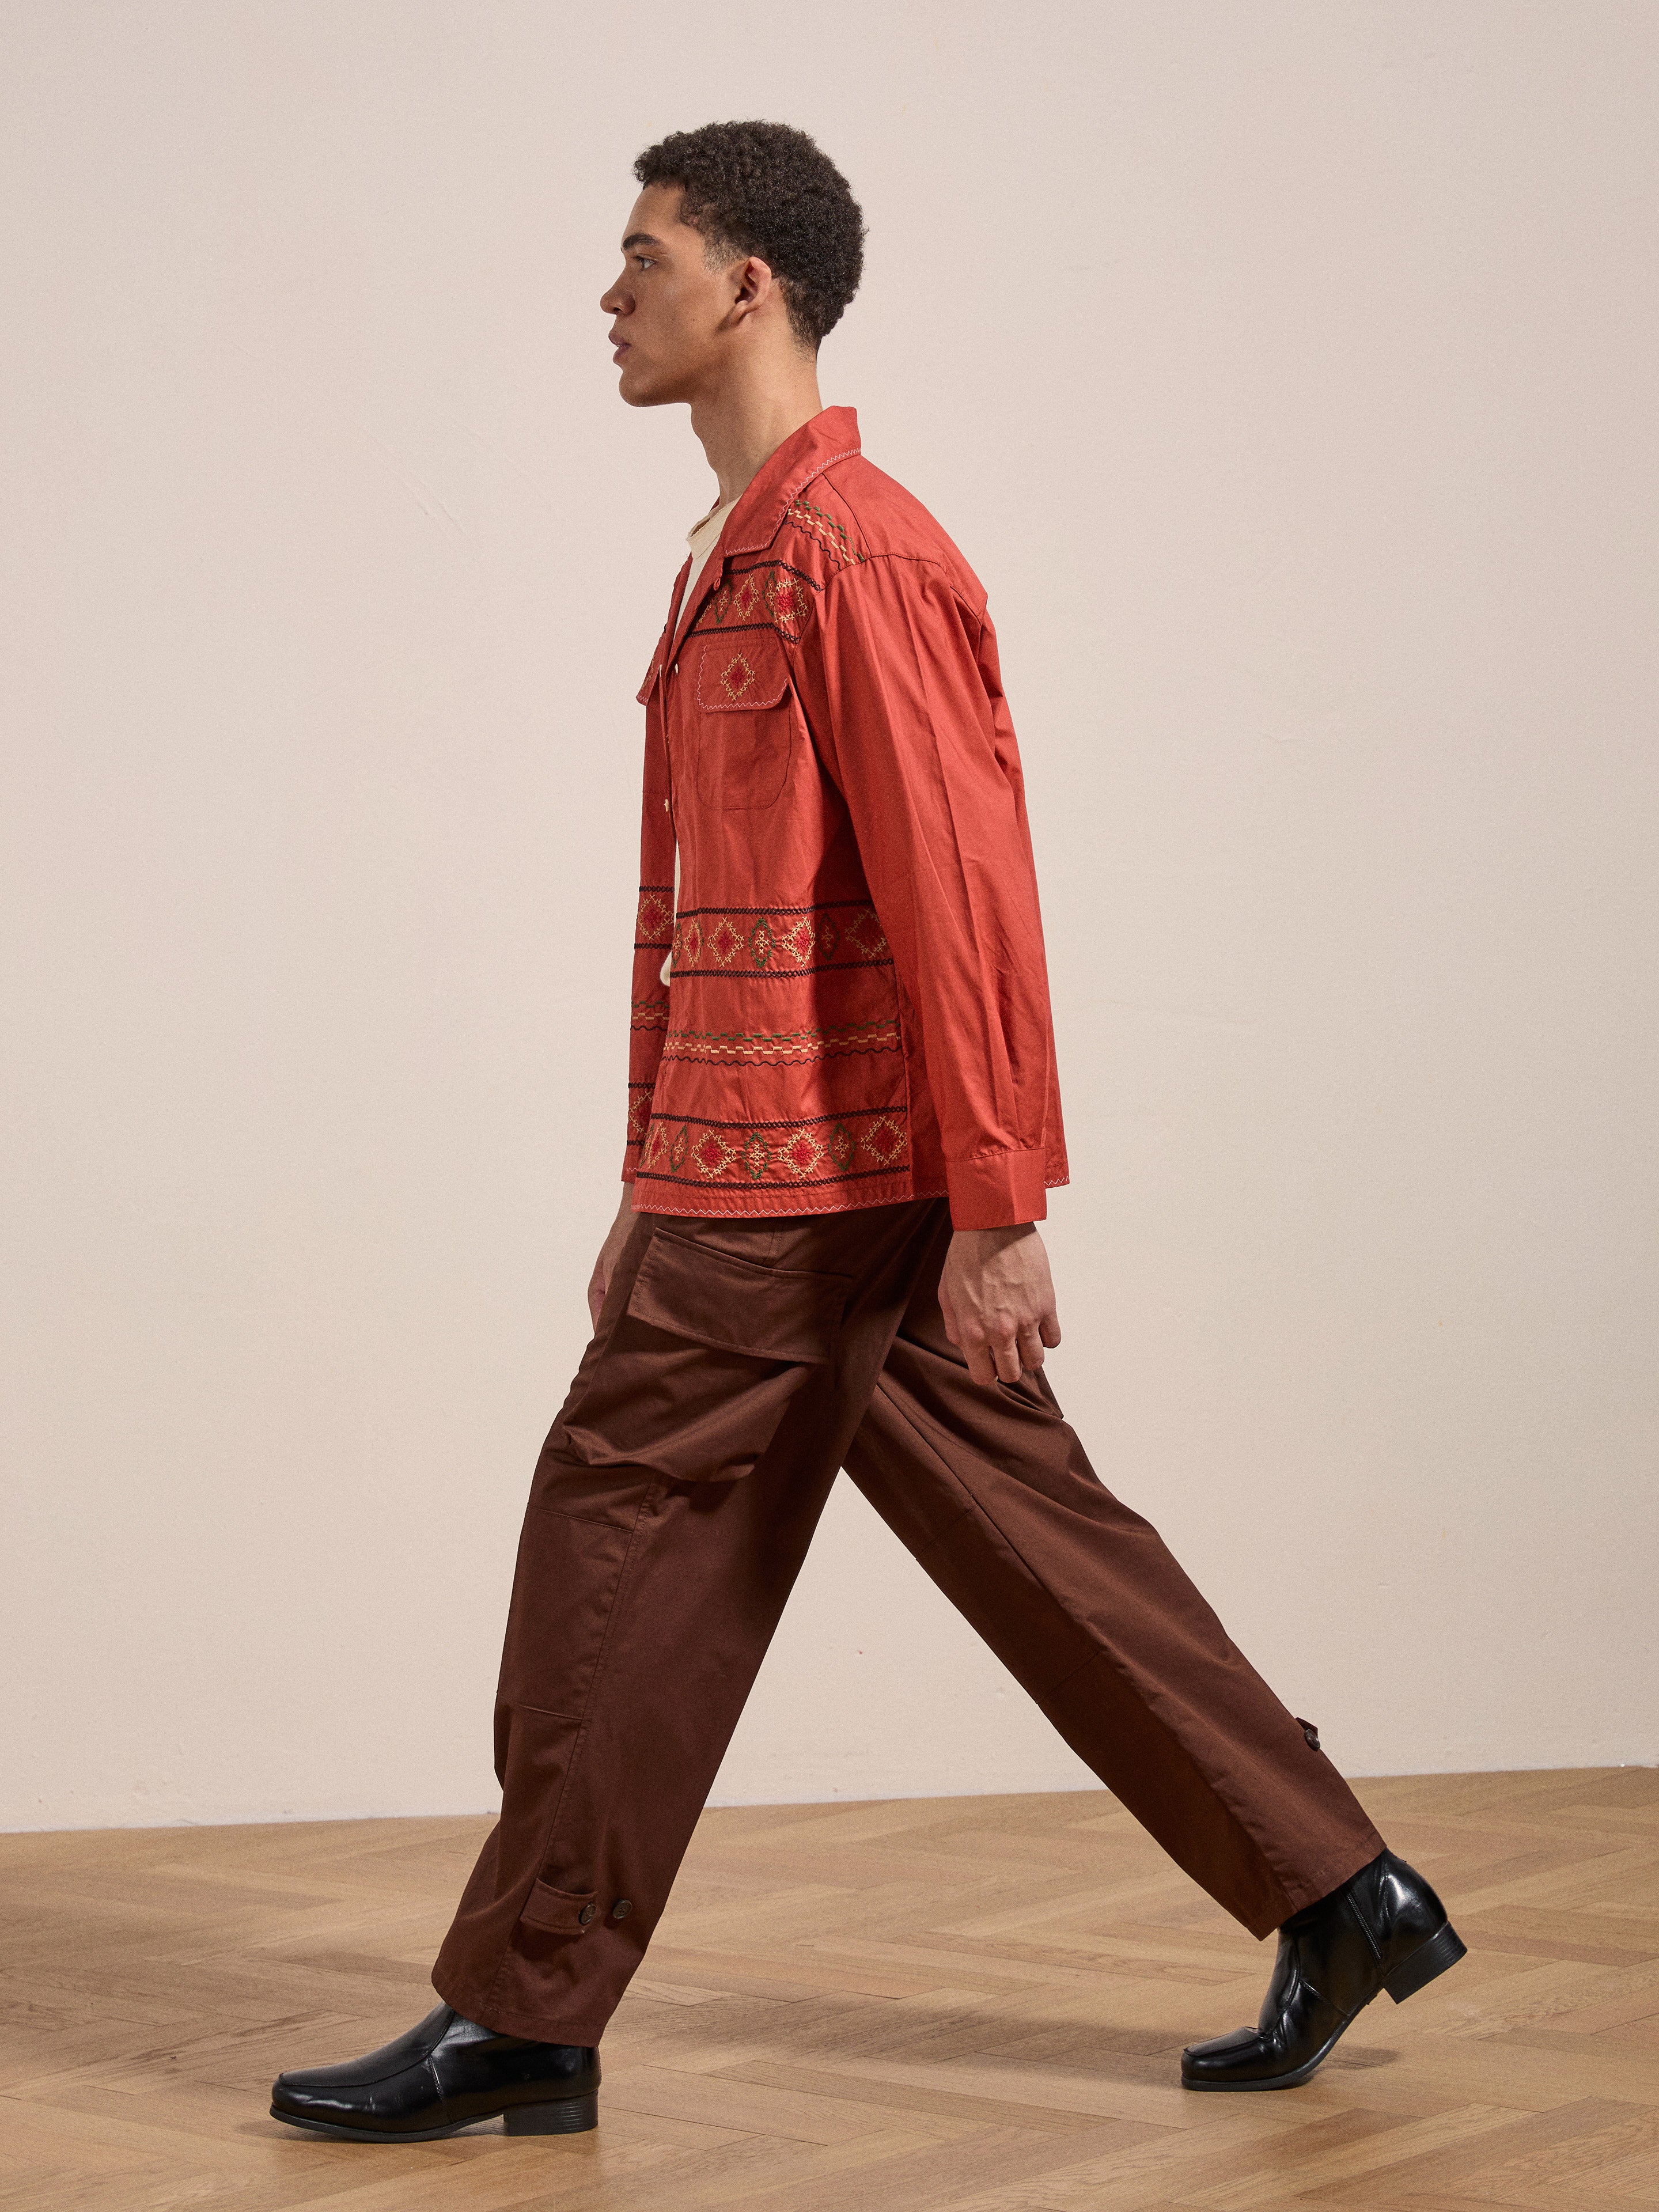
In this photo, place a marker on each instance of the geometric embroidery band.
(828, 1148)
(785, 940)
(771, 596)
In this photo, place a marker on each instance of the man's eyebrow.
(639, 238)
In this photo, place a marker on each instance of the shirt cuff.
(997, 1190)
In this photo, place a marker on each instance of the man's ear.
(753, 282)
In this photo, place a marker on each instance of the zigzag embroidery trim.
(824, 527)
(782, 1047)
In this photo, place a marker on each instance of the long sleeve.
(900, 681)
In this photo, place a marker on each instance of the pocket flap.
(696, 1290)
(738, 669)
(561, 1912)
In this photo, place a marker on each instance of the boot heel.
(1442, 1950)
(568, 2117)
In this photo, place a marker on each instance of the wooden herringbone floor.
(974, 2004)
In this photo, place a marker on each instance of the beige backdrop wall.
(1285, 371)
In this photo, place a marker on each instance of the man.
(844, 1117)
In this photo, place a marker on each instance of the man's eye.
(644, 262)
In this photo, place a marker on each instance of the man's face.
(667, 305)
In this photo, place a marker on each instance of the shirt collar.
(830, 436)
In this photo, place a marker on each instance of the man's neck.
(741, 427)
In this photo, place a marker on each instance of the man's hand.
(998, 1299)
(616, 1237)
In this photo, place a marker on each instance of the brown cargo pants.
(737, 1365)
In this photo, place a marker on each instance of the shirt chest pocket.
(743, 718)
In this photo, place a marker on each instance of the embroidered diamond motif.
(886, 1139)
(724, 941)
(762, 943)
(795, 939)
(655, 914)
(757, 1153)
(710, 1153)
(865, 932)
(736, 677)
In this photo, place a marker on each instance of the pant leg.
(671, 1508)
(989, 1487)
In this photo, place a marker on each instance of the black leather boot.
(442, 2075)
(1383, 1930)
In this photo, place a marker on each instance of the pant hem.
(509, 2021)
(1324, 1880)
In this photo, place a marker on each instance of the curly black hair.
(766, 189)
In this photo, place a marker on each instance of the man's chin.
(641, 389)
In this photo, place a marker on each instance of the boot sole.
(1442, 1949)
(565, 2116)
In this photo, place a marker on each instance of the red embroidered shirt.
(857, 1004)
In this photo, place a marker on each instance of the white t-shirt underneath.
(703, 537)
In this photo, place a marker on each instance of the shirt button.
(621, 1908)
(586, 1913)
(677, 668)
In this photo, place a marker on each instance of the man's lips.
(622, 346)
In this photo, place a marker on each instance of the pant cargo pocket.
(704, 1361)
(565, 1586)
